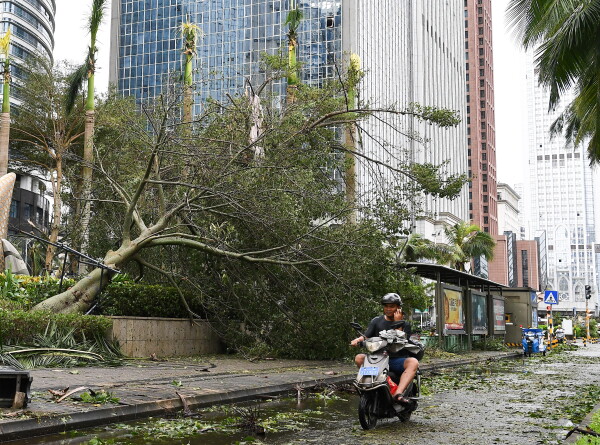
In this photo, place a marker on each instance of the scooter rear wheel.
(366, 416)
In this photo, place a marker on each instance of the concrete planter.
(165, 337)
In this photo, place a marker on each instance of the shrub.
(20, 327)
(126, 298)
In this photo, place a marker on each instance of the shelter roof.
(452, 276)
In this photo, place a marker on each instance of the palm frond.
(96, 17)
(5, 44)
(75, 85)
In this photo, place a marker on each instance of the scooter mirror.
(356, 326)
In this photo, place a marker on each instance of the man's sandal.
(399, 398)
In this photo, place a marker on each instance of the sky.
(509, 77)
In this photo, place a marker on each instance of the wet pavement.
(147, 388)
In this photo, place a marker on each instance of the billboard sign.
(479, 313)
(454, 317)
(499, 320)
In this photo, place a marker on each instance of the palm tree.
(567, 57)
(293, 20)
(466, 242)
(350, 140)
(87, 71)
(190, 33)
(5, 116)
(416, 247)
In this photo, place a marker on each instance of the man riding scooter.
(400, 363)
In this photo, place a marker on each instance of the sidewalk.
(149, 388)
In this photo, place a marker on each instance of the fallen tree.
(248, 222)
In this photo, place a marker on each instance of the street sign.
(551, 297)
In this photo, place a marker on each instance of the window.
(14, 209)
(483, 115)
(481, 82)
(27, 211)
(485, 209)
(484, 156)
(485, 198)
(481, 51)
(480, 31)
(481, 40)
(486, 220)
(484, 177)
(481, 72)
(485, 188)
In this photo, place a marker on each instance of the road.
(522, 401)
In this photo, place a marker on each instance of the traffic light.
(588, 291)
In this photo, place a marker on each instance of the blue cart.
(533, 342)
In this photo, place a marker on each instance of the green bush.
(126, 298)
(20, 327)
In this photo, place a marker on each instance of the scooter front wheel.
(366, 416)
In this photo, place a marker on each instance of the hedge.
(126, 298)
(21, 327)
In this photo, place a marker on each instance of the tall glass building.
(31, 24)
(560, 202)
(411, 51)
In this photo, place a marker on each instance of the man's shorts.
(397, 364)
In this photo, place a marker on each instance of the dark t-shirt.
(379, 324)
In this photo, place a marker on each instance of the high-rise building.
(481, 128)
(31, 24)
(508, 209)
(411, 51)
(561, 201)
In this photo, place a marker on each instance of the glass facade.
(410, 51)
(234, 35)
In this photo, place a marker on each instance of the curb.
(22, 429)
(583, 424)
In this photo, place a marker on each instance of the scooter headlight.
(375, 344)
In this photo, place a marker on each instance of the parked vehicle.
(533, 341)
(376, 383)
(560, 335)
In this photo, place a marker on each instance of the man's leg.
(411, 365)
(359, 359)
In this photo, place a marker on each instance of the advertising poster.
(499, 324)
(453, 310)
(480, 322)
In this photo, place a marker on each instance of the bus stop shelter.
(469, 308)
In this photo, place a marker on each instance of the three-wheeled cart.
(533, 341)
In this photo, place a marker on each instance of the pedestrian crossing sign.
(551, 297)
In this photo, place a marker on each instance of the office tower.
(480, 114)
(561, 201)
(508, 209)
(411, 51)
(31, 24)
